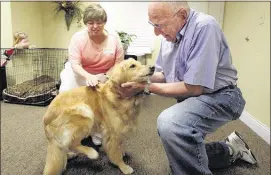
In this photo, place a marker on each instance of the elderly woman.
(92, 52)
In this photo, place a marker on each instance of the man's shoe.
(240, 148)
(97, 139)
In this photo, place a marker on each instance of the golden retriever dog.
(75, 114)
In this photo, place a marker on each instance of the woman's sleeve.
(74, 50)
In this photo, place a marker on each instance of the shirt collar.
(181, 33)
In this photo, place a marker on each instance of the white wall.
(251, 57)
(28, 20)
(6, 25)
(122, 15)
(131, 18)
(49, 31)
(199, 6)
(54, 27)
(216, 9)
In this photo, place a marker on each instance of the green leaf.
(126, 38)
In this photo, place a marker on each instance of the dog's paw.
(71, 155)
(127, 169)
(93, 154)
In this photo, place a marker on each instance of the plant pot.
(125, 47)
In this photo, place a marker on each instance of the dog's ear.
(117, 74)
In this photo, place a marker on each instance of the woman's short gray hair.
(94, 12)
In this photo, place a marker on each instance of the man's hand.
(130, 89)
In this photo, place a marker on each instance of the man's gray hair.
(176, 5)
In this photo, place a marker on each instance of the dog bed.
(33, 92)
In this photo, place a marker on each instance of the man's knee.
(167, 126)
(163, 124)
(179, 124)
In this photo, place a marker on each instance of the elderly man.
(194, 65)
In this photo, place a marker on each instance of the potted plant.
(72, 11)
(126, 39)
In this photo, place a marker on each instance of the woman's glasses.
(97, 23)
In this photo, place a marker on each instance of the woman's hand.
(130, 89)
(102, 78)
(92, 80)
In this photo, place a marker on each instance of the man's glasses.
(161, 26)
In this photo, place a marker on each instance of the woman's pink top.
(81, 51)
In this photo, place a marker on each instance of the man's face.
(165, 22)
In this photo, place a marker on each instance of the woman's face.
(95, 28)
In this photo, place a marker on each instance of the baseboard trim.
(258, 127)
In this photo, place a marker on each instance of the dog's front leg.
(115, 154)
(122, 149)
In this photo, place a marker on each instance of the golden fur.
(75, 114)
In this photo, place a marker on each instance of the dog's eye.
(133, 66)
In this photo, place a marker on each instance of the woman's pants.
(69, 79)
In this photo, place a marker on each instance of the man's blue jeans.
(183, 127)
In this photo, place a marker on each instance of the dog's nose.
(152, 68)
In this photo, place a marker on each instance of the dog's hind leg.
(88, 151)
(56, 160)
(79, 134)
(76, 147)
(71, 155)
(83, 121)
(115, 154)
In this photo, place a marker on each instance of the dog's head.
(130, 70)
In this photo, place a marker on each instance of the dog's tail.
(56, 160)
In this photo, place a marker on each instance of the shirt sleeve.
(119, 51)
(158, 63)
(203, 57)
(74, 51)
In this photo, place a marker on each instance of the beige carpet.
(23, 145)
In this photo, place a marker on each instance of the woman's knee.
(68, 80)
